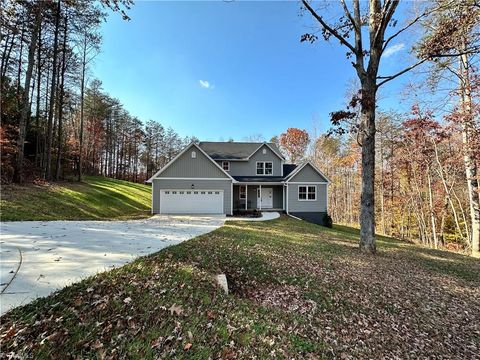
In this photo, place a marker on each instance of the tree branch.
(391, 77)
(387, 14)
(350, 17)
(331, 30)
(410, 24)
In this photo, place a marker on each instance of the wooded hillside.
(56, 118)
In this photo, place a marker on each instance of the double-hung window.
(264, 168)
(226, 165)
(307, 193)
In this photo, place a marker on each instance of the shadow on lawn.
(441, 261)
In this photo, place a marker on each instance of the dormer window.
(226, 165)
(264, 168)
(194, 154)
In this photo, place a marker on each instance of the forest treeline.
(56, 121)
(420, 184)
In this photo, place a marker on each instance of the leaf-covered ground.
(96, 198)
(298, 291)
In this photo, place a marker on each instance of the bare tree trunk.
(468, 158)
(432, 210)
(61, 101)
(6, 54)
(448, 198)
(19, 175)
(48, 168)
(82, 96)
(20, 62)
(37, 110)
(382, 190)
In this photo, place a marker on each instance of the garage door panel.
(187, 201)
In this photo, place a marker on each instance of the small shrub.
(250, 213)
(327, 221)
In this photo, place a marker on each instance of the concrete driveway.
(39, 257)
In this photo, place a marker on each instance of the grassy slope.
(299, 291)
(94, 199)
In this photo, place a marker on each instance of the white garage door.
(191, 201)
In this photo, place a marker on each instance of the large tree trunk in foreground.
(367, 200)
(19, 176)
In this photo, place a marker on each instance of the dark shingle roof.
(288, 168)
(259, 178)
(232, 150)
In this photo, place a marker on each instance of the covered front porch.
(248, 196)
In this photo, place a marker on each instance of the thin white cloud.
(205, 84)
(393, 49)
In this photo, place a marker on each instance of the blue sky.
(220, 70)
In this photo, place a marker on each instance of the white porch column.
(260, 197)
(246, 196)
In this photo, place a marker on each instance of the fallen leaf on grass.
(176, 309)
(156, 342)
(187, 346)
(9, 333)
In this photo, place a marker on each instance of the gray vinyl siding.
(318, 205)
(199, 167)
(308, 174)
(159, 184)
(249, 168)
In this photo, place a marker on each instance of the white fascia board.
(273, 150)
(299, 168)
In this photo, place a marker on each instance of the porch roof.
(260, 179)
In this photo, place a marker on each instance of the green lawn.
(298, 291)
(94, 199)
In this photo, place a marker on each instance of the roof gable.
(184, 158)
(307, 173)
(276, 152)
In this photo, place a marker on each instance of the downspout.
(231, 198)
(286, 210)
(286, 198)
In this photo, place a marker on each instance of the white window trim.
(240, 192)
(306, 186)
(263, 162)
(228, 165)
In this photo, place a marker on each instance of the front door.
(266, 198)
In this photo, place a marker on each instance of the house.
(224, 177)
